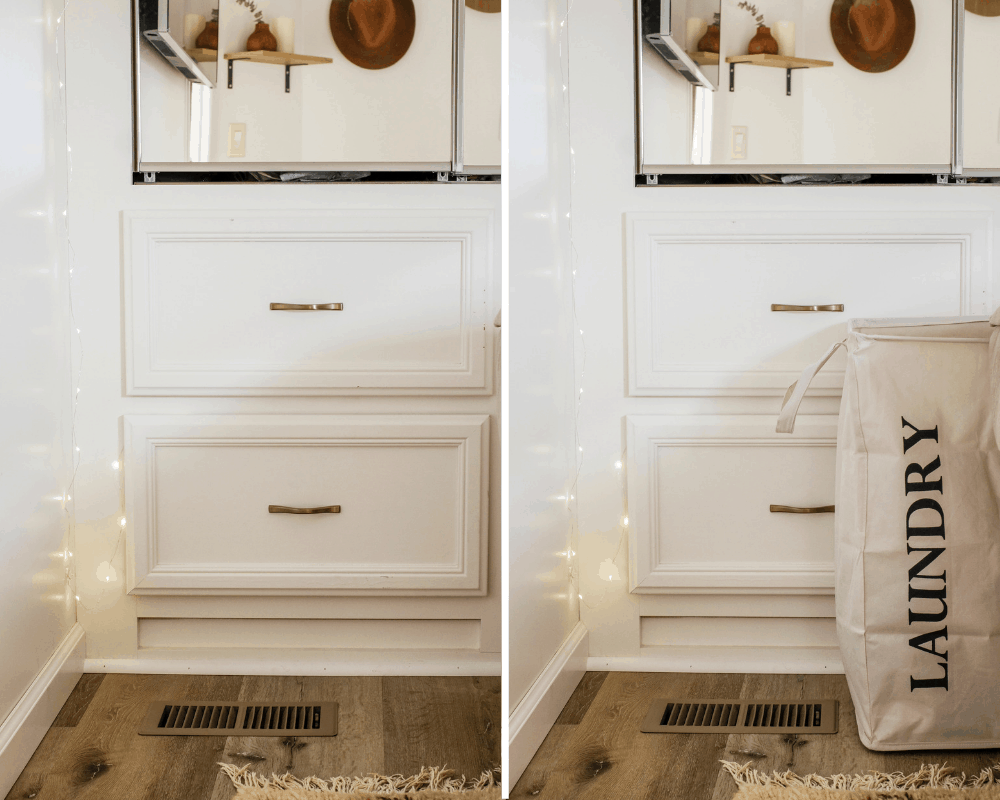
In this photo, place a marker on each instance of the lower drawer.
(701, 492)
(399, 504)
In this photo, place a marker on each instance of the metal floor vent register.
(739, 716)
(239, 719)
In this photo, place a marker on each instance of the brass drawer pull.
(781, 307)
(293, 510)
(307, 306)
(797, 510)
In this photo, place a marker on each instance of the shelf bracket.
(732, 79)
(288, 78)
(230, 73)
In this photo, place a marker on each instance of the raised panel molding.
(970, 234)
(652, 570)
(146, 437)
(159, 361)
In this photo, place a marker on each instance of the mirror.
(358, 85)
(980, 90)
(835, 85)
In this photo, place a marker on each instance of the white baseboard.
(238, 661)
(535, 715)
(777, 660)
(29, 721)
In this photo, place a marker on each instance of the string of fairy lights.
(105, 573)
(611, 572)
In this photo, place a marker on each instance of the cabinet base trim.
(303, 662)
(773, 660)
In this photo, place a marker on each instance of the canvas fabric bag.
(917, 546)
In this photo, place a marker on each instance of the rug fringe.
(440, 779)
(931, 776)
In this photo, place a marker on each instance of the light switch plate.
(739, 141)
(237, 139)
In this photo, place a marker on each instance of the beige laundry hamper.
(917, 555)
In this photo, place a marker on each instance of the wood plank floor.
(387, 725)
(595, 751)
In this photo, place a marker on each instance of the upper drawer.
(701, 287)
(414, 289)
(405, 502)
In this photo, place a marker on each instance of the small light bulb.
(581, 333)
(625, 521)
(78, 597)
(107, 580)
(580, 449)
(122, 522)
(78, 449)
(572, 552)
(580, 596)
(115, 465)
(618, 465)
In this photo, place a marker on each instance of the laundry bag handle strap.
(795, 393)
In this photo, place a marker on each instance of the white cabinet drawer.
(699, 495)
(413, 288)
(700, 291)
(411, 491)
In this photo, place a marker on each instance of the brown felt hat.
(374, 34)
(873, 35)
(984, 8)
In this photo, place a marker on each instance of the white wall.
(603, 192)
(101, 190)
(543, 597)
(37, 608)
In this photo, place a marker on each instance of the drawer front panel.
(701, 289)
(700, 491)
(412, 293)
(410, 492)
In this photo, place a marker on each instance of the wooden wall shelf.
(201, 54)
(787, 63)
(287, 60)
(782, 62)
(705, 59)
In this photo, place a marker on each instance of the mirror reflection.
(825, 83)
(980, 90)
(350, 84)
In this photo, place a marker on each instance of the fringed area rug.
(433, 783)
(930, 782)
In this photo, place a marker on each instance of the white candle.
(784, 33)
(695, 30)
(194, 24)
(284, 32)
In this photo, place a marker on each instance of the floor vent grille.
(739, 716)
(239, 719)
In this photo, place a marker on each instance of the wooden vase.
(709, 43)
(263, 39)
(763, 42)
(208, 39)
